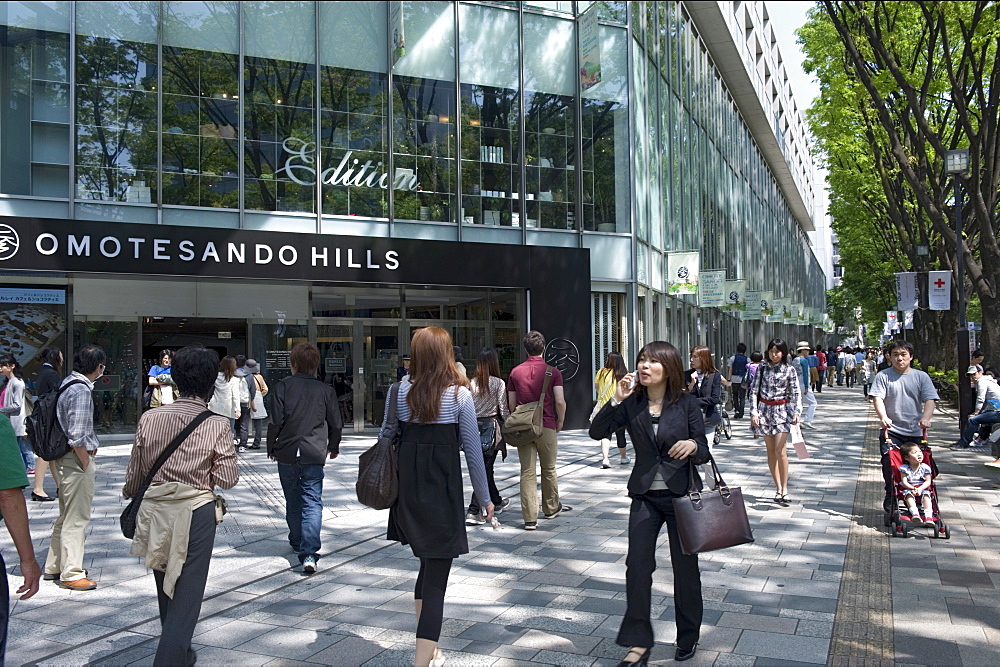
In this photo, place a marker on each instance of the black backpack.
(48, 440)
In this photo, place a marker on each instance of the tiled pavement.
(552, 596)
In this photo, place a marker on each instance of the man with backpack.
(737, 373)
(77, 470)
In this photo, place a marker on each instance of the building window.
(200, 104)
(116, 117)
(354, 105)
(608, 319)
(424, 115)
(838, 271)
(34, 86)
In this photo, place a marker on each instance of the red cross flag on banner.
(939, 290)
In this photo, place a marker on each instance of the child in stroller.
(914, 471)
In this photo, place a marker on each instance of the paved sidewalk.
(552, 596)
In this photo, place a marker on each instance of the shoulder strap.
(174, 444)
(545, 385)
(392, 419)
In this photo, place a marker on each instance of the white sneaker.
(309, 565)
(809, 425)
(474, 520)
(625, 461)
(605, 463)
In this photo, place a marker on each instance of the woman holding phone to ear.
(667, 429)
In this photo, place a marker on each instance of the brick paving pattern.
(555, 595)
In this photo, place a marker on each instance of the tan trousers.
(76, 495)
(545, 447)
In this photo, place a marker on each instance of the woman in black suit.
(667, 429)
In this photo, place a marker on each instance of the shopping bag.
(798, 441)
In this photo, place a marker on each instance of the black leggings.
(620, 434)
(432, 581)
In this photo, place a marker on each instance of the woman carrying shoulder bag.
(257, 409)
(605, 381)
(489, 394)
(667, 429)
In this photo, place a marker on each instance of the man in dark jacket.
(49, 375)
(305, 429)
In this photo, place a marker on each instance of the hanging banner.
(891, 316)
(908, 319)
(396, 28)
(735, 296)
(906, 291)
(590, 49)
(682, 272)
(798, 313)
(939, 290)
(752, 313)
(712, 290)
(767, 306)
(780, 308)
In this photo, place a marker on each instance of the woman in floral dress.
(775, 404)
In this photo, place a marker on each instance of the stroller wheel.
(906, 529)
(945, 532)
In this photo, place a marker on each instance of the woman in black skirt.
(667, 429)
(437, 418)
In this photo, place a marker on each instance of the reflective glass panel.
(34, 87)
(200, 104)
(424, 115)
(491, 171)
(116, 123)
(279, 79)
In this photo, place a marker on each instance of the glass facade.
(301, 116)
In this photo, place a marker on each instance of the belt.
(767, 402)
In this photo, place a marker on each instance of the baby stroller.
(902, 521)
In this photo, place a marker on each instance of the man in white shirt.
(987, 410)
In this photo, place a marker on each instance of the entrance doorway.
(225, 336)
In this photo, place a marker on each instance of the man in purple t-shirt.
(524, 386)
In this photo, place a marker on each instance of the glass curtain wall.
(34, 87)
(550, 86)
(116, 105)
(353, 110)
(490, 119)
(201, 74)
(424, 118)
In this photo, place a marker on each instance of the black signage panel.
(558, 278)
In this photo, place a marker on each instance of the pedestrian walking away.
(226, 397)
(904, 399)
(437, 417)
(176, 523)
(305, 430)
(14, 512)
(248, 391)
(737, 368)
(667, 428)
(604, 383)
(77, 471)
(801, 364)
(775, 405)
(13, 405)
(525, 385)
(258, 412)
(489, 395)
(985, 413)
(49, 378)
(704, 382)
(821, 370)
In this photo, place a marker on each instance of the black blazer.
(681, 421)
(48, 379)
(305, 421)
(708, 394)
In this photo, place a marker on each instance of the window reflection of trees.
(116, 115)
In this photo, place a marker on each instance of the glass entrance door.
(337, 367)
(380, 345)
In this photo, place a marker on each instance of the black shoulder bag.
(131, 512)
(378, 476)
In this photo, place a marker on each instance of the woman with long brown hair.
(437, 417)
(489, 393)
(604, 382)
(667, 429)
(704, 382)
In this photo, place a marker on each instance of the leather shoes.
(681, 654)
(78, 584)
(41, 499)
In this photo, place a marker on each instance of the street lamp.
(957, 163)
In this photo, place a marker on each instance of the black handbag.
(131, 511)
(378, 468)
(711, 520)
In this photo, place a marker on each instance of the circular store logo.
(9, 242)
(683, 272)
(734, 296)
(564, 355)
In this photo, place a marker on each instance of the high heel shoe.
(41, 499)
(641, 661)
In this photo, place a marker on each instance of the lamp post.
(957, 163)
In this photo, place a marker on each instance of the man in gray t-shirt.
(904, 402)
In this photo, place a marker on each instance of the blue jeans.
(303, 487)
(972, 426)
(26, 452)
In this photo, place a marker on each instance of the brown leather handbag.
(711, 520)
